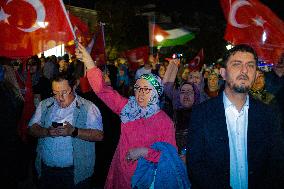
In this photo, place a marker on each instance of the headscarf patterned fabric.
(132, 111)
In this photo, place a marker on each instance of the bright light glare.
(42, 24)
(229, 46)
(264, 37)
(57, 51)
(159, 38)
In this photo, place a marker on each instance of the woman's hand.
(135, 153)
(84, 56)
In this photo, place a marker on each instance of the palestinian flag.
(172, 36)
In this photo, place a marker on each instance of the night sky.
(211, 7)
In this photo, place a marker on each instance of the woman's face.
(213, 82)
(195, 78)
(121, 72)
(259, 82)
(185, 74)
(187, 96)
(143, 92)
(162, 71)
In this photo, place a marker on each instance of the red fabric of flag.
(28, 109)
(134, 55)
(31, 27)
(251, 22)
(156, 30)
(98, 48)
(198, 61)
(81, 31)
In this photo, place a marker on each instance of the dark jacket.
(208, 157)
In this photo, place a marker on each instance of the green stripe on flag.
(177, 41)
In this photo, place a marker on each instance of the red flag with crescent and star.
(197, 63)
(28, 109)
(135, 55)
(81, 31)
(253, 23)
(32, 26)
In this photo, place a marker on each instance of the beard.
(241, 89)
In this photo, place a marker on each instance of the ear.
(223, 73)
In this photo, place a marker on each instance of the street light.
(229, 46)
(159, 38)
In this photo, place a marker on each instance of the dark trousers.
(60, 178)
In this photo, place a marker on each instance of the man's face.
(143, 92)
(240, 72)
(279, 69)
(195, 78)
(62, 93)
(186, 96)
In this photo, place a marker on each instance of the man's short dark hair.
(239, 48)
(65, 76)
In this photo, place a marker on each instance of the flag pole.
(68, 20)
(151, 25)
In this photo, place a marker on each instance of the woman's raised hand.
(82, 54)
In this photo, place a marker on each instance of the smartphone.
(55, 124)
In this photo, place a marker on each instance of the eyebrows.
(240, 61)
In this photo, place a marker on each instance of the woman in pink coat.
(142, 122)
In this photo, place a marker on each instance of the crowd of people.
(164, 125)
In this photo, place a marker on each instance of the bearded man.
(240, 145)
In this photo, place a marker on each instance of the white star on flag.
(258, 21)
(4, 16)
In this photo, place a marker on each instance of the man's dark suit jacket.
(208, 157)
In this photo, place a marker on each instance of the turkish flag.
(96, 47)
(198, 61)
(134, 55)
(81, 31)
(253, 23)
(31, 27)
(28, 109)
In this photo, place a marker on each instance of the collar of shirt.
(229, 104)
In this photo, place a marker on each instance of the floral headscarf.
(132, 111)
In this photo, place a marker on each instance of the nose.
(244, 68)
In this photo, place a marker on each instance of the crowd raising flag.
(197, 63)
(171, 36)
(32, 26)
(251, 22)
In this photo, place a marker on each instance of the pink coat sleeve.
(109, 96)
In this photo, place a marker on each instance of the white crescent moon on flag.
(197, 59)
(233, 11)
(40, 15)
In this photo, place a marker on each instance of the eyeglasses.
(60, 94)
(187, 92)
(144, 90)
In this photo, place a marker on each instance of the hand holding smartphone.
(55, 124)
